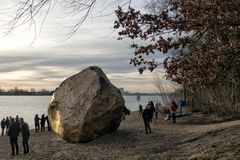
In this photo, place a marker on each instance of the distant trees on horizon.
(19, 91)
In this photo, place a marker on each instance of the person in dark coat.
(48, 124)
(17, 120)
(36, 122)
(3, 125)
(25, 135)
(7, 124)
(43, 123)
(13, 133)
(147, 116)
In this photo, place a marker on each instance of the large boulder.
(85, 106)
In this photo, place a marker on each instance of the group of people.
(150, 113)
(40, 123)
(5, 124)
(13, 129)
(14, 126)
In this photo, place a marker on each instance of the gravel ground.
(182, 140)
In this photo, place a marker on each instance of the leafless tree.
(166, 88)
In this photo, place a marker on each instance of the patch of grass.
(164, 110)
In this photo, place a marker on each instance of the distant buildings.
(127, 93)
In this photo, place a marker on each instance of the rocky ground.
(187, 139)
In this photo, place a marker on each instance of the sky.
(51, 59)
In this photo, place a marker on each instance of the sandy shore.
(167, 141)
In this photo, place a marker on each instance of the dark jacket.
(152, 106)
(3, 124)
(36, 121)
(147, 114)
(13, 130)
(7, 122)
(25, 129)
(43, 119)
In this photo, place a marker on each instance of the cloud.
(46, 67)
(51, 60)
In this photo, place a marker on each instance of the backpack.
(176, 107)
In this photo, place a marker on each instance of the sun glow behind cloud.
(15, 43)
(133, 81)
(16, 75)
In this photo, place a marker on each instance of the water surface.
(28, 106)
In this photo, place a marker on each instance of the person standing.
(17, 120)
(172, 108)
(13, 133)
(147, 116)
(140, 110)
(43, 123)
(10, 117)
(156, 110)
(181, 104)
(7, 124)
(152, 111)
(48, 124)
(3, 125)
(25, 135)
(36, 122)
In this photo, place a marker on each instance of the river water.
(28, 106)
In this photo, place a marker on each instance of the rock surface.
(85, 106)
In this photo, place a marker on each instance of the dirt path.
(167, 141)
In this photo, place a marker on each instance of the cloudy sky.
(51, 59)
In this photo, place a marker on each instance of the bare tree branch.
(26, 12)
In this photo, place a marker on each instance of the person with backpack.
(172, 108)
